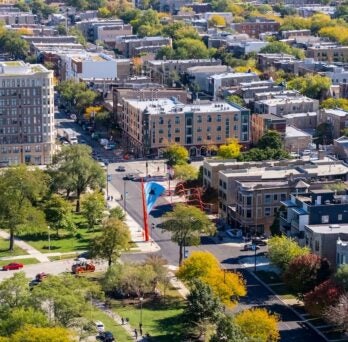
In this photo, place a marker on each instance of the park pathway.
(25, 246)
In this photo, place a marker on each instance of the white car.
(100, 326)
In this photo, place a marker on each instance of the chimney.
(321, 154)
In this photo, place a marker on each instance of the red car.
(12, 266)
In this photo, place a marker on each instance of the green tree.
(270, 139)
(118, 213)
(186, 224)
(305, 272)
(74, 168)
(281, 47)
(333, 103)
(64, 297)
(185, 172)
(58, 214)
(275, 226)
(18, 317)
(129, 278)
(192, 48)
(323, 134)
(115, 238)
(227, 330)
(93, 206)
(341, 276)
(314, 86)
(20, 191)
(176, 154)
(282, 250)
(230, 150)
(203, 308)
(12, 43)
(236, 99)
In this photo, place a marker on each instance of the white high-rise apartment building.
(27, 130)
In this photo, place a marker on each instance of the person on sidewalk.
(122, 320)
(136, 334)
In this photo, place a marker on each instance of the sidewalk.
(176, 283)
(55, 254)
(136, 230)
(32, 252)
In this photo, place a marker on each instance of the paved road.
(291, 328)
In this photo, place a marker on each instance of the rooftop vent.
(335, 226)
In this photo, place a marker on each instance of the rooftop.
(12, 68)
(299, 115)
(285, 99)
(266, 173)
(233, 75)
(328, 228)
(293, 132)
(90, 56)
(181, 61)
(337, 112)
(170, 106)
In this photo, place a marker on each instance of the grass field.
(110, 325)
(161, 319)
(28, 261)
(4, 252)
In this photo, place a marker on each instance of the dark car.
(128, 176)
(259, 242)
(120, 168)
(12, 266)
(106, 336)
(250, 247)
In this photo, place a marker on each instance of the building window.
(218, 128)
(208, 137)
(248, 213)
(282, 197)
(161, 121)
(218, 138)
(316, 246)
(177, 120)
(199, 138)
(160, 131)
(218, 119)
(177, 139)
(177, 130)
(209, 118)
(160, 140)
(275, 197)
(339, 217)
(199, 118)
(188, 121)
(235, 117)
(324, 218)
(267, 211)
(248, 200)
(267, 199)
(199, 129)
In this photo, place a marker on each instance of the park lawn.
(110, 325)
(66, 242)
(4, 252)
(163, 320)
(72, 255)
(27, 261)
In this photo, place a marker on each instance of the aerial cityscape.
(173, 171)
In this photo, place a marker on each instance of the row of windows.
(25, 82)
(199, 119)
(199, 129)
(16, 149)
(188, 139)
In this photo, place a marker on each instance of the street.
(291, 328)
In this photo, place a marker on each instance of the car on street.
(106, 336)
(100, 326)
(129, 176)
(12, 266)
(120, 168)
(250, 247)
(259, 242)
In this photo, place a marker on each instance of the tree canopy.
(176, 154)
(186, 224)
(314, 86)
(230, 150)
(281, 47)
(93, 206)
(185, 172)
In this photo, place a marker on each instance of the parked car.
(250, 247)
(12, 266)
(259, 242)
(100, 326)
(120, 168)
(129, 176)
(106, 337)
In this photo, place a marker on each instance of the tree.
(129, 279)
(333, 103)
(93, 206)
(259, 154)
(203, 308)
(192, 48)
(46, 334)
(217, 21)
(185, 172)
(341, 276)
(20, 191)
(230, 150)
(258, 323)
(118, 213)
(18, 317)
(12, 43)
(338, 314)
(186, 224)
(321, 297)
(157, 262)
(227, 286)
(282, 250)
(73, 168)
(271, 139)
(228, 330)
(313, 86)
(281, 47)
(65, 297)
(275, 226)
(236, 99)
(58, 214)
(305, 272)
(176, 154)
(323, 134)
(115, 238)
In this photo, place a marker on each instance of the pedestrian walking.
(141, 331)
(136, 333)
(121, 197)
(127, 320)
(112, 198)
(122, 320)
(158, 169)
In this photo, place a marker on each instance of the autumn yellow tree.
(227, 286)
(259, 324)
(217, 21)
(92, 111)
(230, 150)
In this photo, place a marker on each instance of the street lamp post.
(254, 246)
(49, 238)
(141, 311)
(124, 196)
